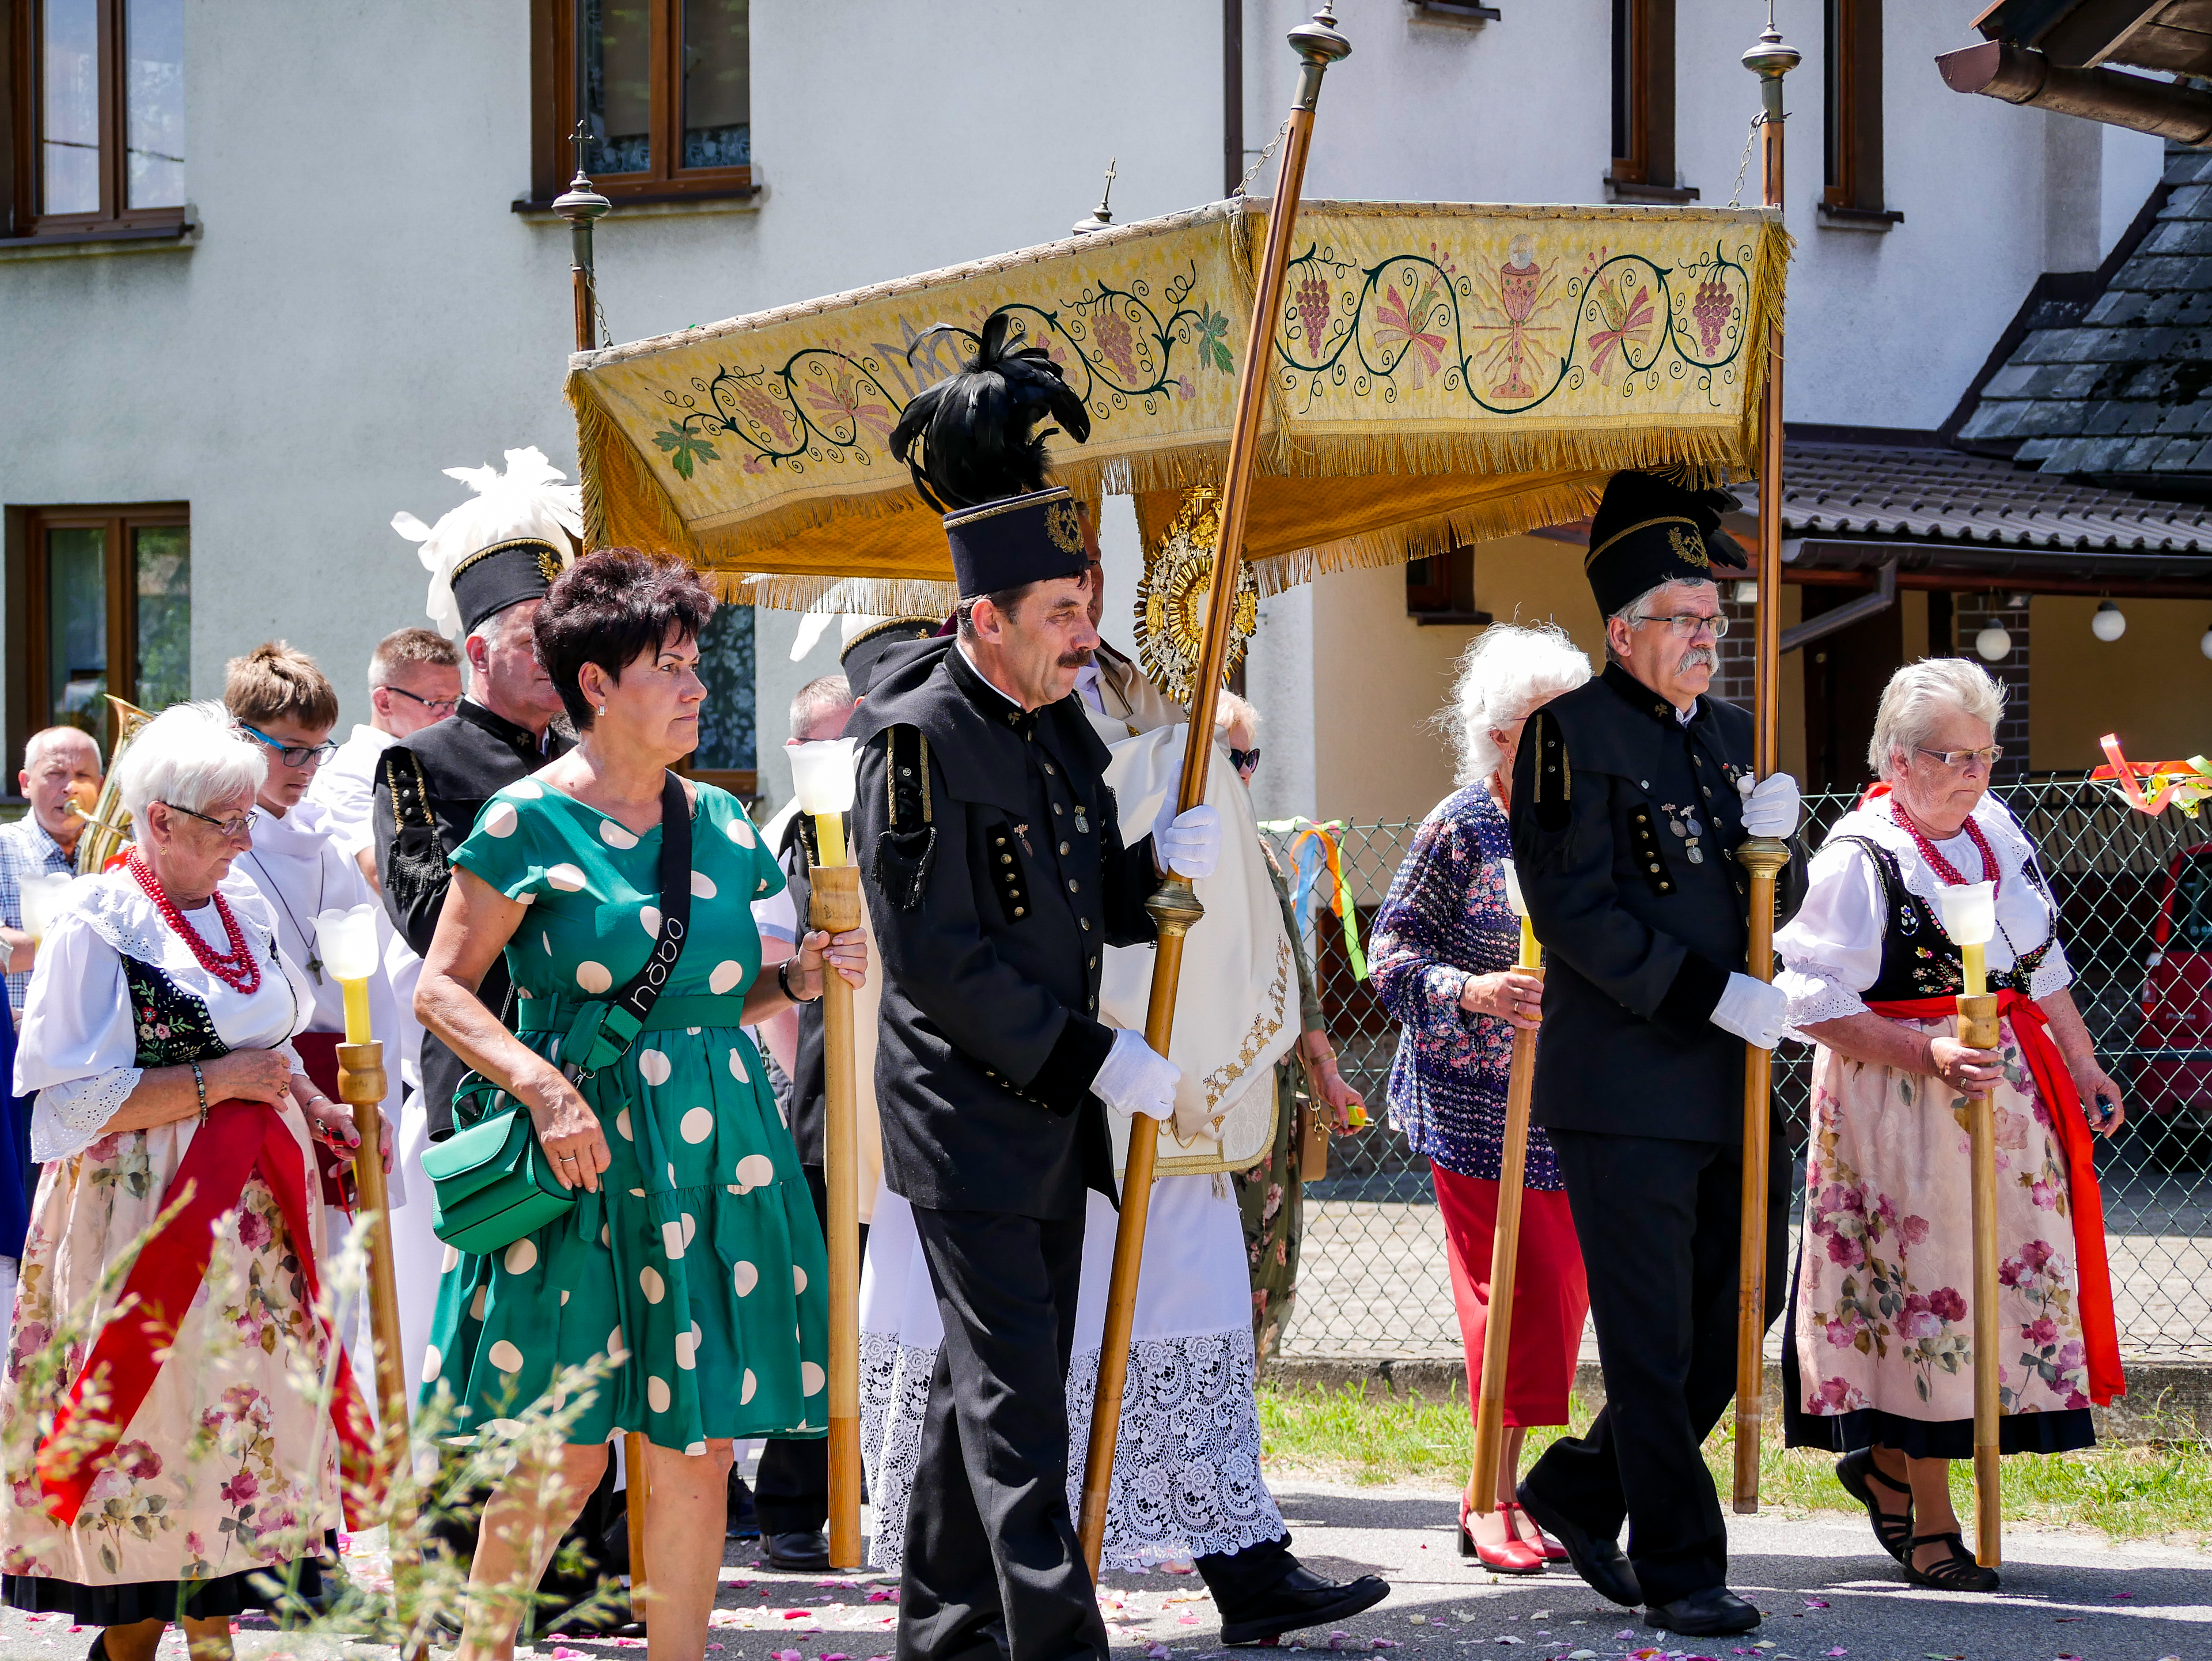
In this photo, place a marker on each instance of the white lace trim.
(893, 1396)
(1187, 1480)
(68, 1118)
(1814, 998)
(117, 909)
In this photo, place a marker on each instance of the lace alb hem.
(1187, 1479)
(68, 1118)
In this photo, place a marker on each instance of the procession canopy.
(1442, 373)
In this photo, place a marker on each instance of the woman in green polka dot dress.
(693, 1256)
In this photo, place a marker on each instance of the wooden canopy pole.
(1505, 1239)
(1762, 856)
(1978, 1028)
(835, 891)
(1175, 908)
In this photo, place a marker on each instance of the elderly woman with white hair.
(167, 1465)
(1444, 949)
(1879, 1363)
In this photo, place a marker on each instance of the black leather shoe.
(805, 1551)
(1712, 1613)
(1300, 1598)
(1602, 1563)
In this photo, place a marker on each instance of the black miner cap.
(975, 446)
(866, 649)
(506, 574)
(1650, 530)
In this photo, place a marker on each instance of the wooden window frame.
(1852, 192)
(1440, 589)
(21, 221)
(554, 103)
(118, 522)
(1646, 171)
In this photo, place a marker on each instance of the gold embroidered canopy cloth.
(1440, 372)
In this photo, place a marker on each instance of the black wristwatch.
(783, 980)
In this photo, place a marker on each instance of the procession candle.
(822, 778)
(1969, 918)
(347, 941)
(42, 897)
(1531, 954)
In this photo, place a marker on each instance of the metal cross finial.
(1101, 216)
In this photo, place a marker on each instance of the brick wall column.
(1974, 613)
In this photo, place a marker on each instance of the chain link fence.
(2135, 898)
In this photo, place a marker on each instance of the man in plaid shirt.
(60, 763)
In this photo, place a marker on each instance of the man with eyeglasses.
(414, 682)
(1631, 796)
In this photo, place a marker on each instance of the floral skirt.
(1880, 1341)
(226, 1469)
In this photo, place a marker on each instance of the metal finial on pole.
(583, 207)
(1770, 59)
(1103, 215)
(1175, 908)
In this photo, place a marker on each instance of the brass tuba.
(107, 826)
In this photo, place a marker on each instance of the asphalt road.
(1826, 1591)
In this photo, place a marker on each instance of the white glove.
(1752, 1009)
(1188, 844)
(1137, 1079)
(1770, 806)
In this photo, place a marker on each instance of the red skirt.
(1550, 1298)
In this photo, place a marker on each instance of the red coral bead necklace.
(1952, 876)
(237, 969)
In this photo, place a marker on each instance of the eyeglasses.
(1686, 624)
(437, 706)
(231, 829)
(292, 755)
(1989, 755)
(1245, 761)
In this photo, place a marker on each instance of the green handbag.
(493, 1182)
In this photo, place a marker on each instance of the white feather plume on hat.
(528, 500)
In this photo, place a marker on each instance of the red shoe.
(1550, 1549)
(1515, 1557)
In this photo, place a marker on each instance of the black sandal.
(1957, 1573)
(1892, 1529)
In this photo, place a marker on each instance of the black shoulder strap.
(603, 1030)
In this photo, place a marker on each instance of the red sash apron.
(318, 1060)
(2031, 1030)
(238, 1138)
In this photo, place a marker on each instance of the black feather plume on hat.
(974, 437)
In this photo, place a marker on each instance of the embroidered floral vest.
(1918, 959)
(172, 1026)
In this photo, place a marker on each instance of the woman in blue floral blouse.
(1442, 953)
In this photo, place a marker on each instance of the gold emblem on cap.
(1065, 526)
(1688, 549)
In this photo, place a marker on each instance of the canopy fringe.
(887, 597)
(1554, 502)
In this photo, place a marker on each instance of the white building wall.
(363, 309)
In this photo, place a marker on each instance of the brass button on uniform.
(1056, 809)
(1086, 924)
(1063, 848)
(1070, 885)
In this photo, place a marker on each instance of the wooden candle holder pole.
(637, 1494)
(1504, 1263)
(836, 907)
(1978, 1028)
(362, 1086)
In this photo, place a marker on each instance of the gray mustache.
(1696, 656)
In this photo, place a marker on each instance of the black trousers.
(1658, 1224)
(992, 1566)
(791, 1490)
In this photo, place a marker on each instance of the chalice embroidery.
(1521, 292)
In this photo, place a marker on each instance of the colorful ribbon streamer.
(1320, 839)
(2182, 784)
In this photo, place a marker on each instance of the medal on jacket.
(1082, 825)
(1022, 836)
(1683, 822)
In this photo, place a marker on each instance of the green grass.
(1367, 1433)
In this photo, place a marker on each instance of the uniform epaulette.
(1554, 783)
(410, 791)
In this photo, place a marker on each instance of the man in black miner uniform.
(1631, 796)
(996, 878)
(791, 1491)
(430, 787)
